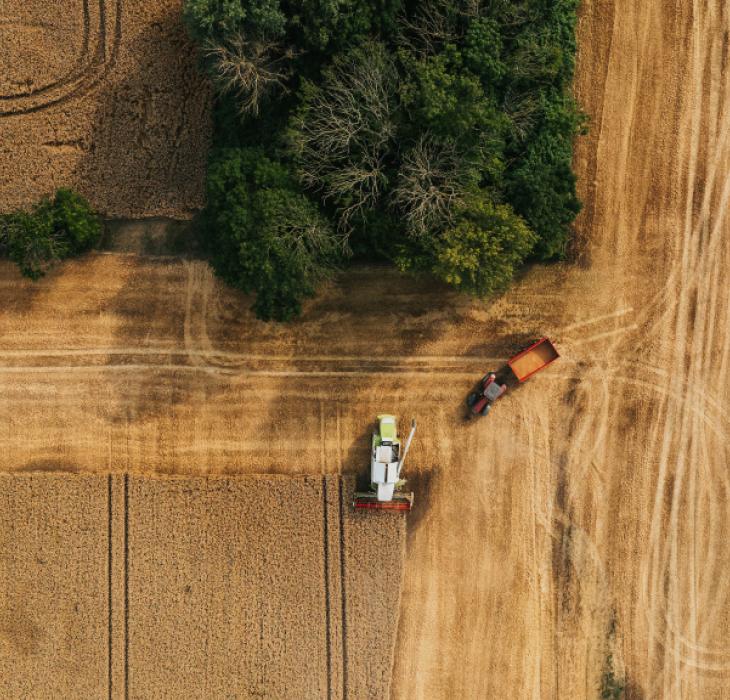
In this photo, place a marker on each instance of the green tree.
(482, 251)
(444, 98)
(483, 52)
(216, 19)
(333, 26)
(266, 236)
(541, 185)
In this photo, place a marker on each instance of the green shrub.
(73, 216)
(613, 687)
(51, 231)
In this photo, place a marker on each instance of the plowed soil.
(104, 97)
(246, 587)
(583, 524)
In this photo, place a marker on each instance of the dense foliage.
(435, 133)
(54, 229)
(266, 236)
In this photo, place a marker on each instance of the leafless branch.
(249, 69)
(431, 184)
(313, 243)
(522, 110)
(341, 138)
(429, 29)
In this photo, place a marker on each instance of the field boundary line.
(343, 589)
(110, 479)
(327, 604)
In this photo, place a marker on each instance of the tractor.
(523, 365)
(480, 401)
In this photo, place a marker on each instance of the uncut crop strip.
(195, 587)
(54, 586)
(253, 572)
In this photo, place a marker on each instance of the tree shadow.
(151, 130)
(17, 293)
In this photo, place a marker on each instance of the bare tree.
(434, 24)
(249, 69)
(313, 243)
(432, 182)
(341, 137)
(522, 109)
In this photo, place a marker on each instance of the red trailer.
(523, 365)
(540, 354)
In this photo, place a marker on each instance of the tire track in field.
(76, 69)
(689, 412)
(86, 80)
(343, 584)
(327, 593)
(698, 267)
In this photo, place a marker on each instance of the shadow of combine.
(422, 483)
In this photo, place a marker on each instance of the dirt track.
(587, 516)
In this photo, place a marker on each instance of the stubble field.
(581, 526)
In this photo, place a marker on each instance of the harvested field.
(104, 97)
(243, 587)
(584, 521)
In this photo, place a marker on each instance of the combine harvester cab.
(386, 462)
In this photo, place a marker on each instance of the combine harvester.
(386, 462)
(523, 365)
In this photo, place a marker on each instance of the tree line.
(437, 134)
